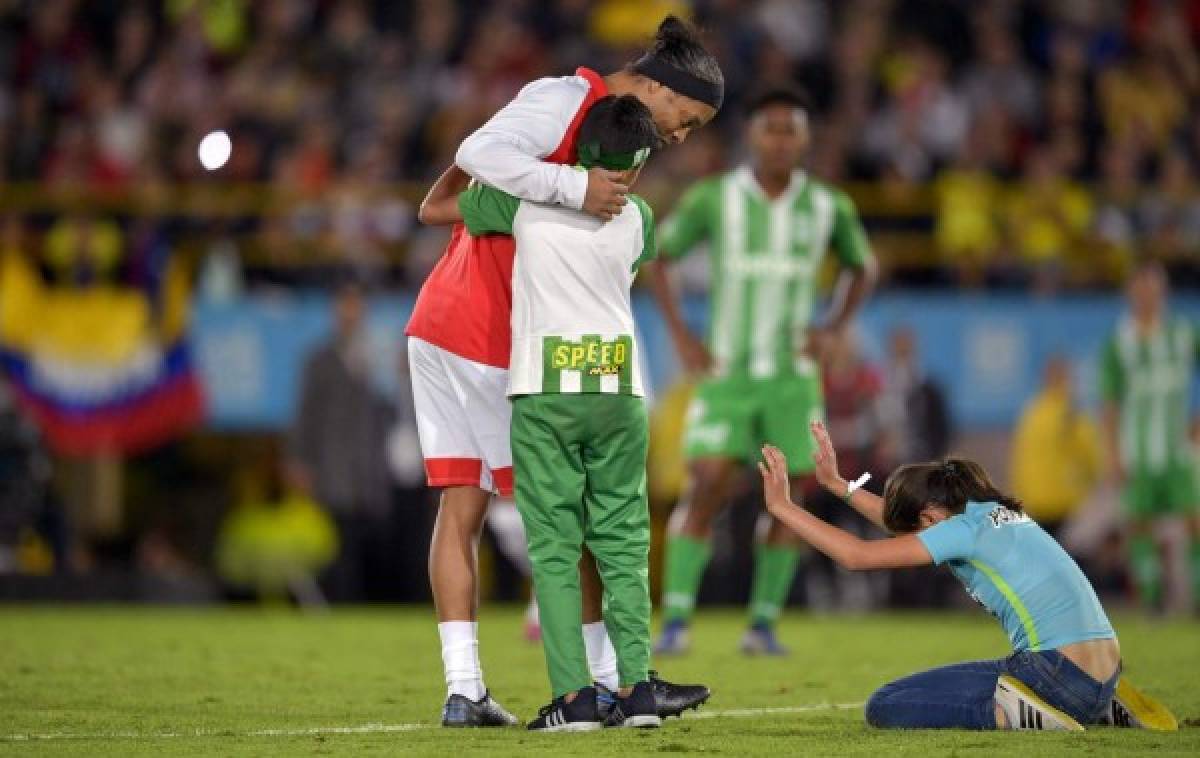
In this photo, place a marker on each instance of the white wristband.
(857, 484)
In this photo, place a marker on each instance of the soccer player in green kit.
(1146, 377)
(768, 226)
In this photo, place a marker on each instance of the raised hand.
(777, 484)
(825, 459)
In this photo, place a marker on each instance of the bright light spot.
(214, 150)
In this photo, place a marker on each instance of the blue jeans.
(962, 696)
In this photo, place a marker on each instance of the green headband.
(590, 155)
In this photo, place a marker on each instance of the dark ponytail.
(950, 484)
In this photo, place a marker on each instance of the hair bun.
(673, 31)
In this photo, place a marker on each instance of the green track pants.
(579, 462)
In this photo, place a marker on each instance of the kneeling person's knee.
(878, 709)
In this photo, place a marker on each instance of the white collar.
(746, 177)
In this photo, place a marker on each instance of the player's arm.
(440, 205)
(487, 210)
(687, 225)
(828, 476)
(857, 277)
(507, 152)
(649, 251)
(1111, 381)
(845, 549)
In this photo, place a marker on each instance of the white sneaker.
(1026, 711)
(1132, 708)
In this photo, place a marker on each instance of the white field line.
(373, 728)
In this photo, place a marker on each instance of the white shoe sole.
(573, 726)
(644, 721)
(1047, 717)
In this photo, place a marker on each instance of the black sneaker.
(604, 700)
(637, 710)
(462, 711)
(673, 699)
(579, 715)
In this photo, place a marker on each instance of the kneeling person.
(579, 430)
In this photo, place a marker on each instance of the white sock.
(460, 656)
(602, 657)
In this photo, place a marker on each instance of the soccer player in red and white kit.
(459, 335)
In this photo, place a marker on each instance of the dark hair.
(619, 125)
(678, 44)
(950, 484)
(790, 96)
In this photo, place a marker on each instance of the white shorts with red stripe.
(463, 414)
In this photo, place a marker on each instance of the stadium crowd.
(998, 143)
(952, 120)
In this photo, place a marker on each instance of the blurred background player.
(459, 334)
(1146, 379)
(768, 226)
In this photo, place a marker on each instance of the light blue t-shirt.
(1020, 575)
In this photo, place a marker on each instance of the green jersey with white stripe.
(1150, 379)
(765, 257)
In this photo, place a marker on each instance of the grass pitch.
(116, 681)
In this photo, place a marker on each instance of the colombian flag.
(99, 368)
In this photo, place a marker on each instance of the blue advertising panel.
(986, 350)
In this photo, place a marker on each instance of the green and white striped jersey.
(765, 258)
(1150, 380)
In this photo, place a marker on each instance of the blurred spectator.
(967, 228)
(347, 98)
(1142, 100)
(918, 420)
(84, 251)
(917, 428)
(33, 529)
(1171, 210)
(1055, 457)
(1117, 224)
(999, 76)
(854, 416)
(854, 406)
(1047, 215)
(338, 447)
(925, 118)
(273, 543)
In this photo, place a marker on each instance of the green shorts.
(1149, 494)
(734, 417)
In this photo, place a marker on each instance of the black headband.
(683, 82)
